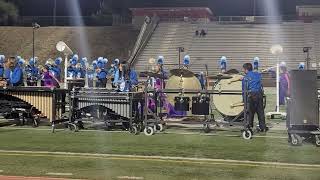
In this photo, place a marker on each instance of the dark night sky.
(219, 7)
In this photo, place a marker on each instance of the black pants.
(255, 105)
(101, 83)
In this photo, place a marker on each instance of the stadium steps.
(240, 43)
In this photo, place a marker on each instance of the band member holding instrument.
(56, 68)
(252, 97)
(32, 72)
(83, 67)
(72, 72)
(125, 77)
(48, 79)
(2, 61)
(112, 71)
(14, 72)
(101, 73)
(202, 80)
(252, 84)
(92, 73)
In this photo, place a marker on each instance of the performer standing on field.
(252, 85)
(284, 90)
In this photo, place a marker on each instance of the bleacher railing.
(64, 20)
(146, 32)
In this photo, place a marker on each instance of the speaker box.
(303, 107)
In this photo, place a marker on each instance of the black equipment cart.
(303, 108)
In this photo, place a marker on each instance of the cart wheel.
(52, 128)
(73, 127)
(247, 134)
(148, 131)
(134, 130)
(158, 127)
(296, 140)
(206, 128)
(317, 140)
(36, 122)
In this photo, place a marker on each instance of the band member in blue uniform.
(92, 73)
(56, 68)
(126, 77)
(32, 72)
(202, 80)
(256, 63)
(14, 73)
(186, 61)
(252, 85)
(83, 67)
(71, 70)
(301, 66)
(101, 73)
(2, 61)
(113, 70)
(223, 64)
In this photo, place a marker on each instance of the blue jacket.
(133, 79)
(252, 81)
(32, 72)
(15, 77)
(72, 72)
(1, 71)
(56, 72)
(102, 74)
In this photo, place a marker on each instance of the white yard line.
(159, 158)
(130, 177)
(59, 174)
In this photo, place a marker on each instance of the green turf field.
(272, 148)
(104, 155)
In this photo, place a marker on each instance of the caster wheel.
(35, 123)
(73, 127)
(158, 127)
(107, 128)
(206, 128)
(52, 128)
(134, 130)
(296, 140)
(148, 131)
(247, 134)
(317, 140)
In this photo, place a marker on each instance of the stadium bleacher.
(238, 42)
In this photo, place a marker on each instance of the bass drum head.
(223, 102)
(174, 82)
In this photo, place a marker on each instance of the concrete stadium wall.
(111, 42)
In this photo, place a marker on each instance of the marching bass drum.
(175, 82)
(223, 102)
